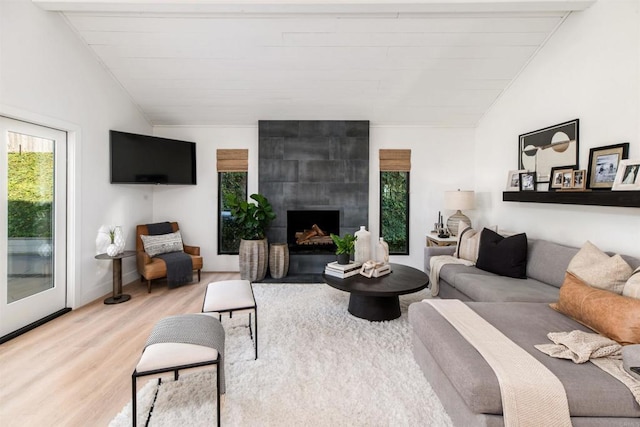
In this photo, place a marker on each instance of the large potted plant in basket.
(252, 219)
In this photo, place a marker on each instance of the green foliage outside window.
(30, 194)
(394, 211)
(229, 232)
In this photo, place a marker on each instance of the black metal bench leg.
(218, 390)
(256, 325)
(134, 399)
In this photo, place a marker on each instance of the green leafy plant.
(252, 218)
(112, 234)
(344, 245)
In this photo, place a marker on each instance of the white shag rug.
(318, 366)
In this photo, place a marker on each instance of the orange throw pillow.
(612, 315)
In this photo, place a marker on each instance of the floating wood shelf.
(630, 199)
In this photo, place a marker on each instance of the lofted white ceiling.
(207, 62)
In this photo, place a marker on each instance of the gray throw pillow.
(162, 244)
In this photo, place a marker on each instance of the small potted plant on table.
(345, 247)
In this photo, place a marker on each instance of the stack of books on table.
(342, 271)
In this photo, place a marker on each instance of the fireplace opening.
(308, 231)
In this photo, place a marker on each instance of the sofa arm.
(192, 250)
(431, 251)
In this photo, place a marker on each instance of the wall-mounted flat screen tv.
(142, 159)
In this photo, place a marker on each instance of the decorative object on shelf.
(345, 247)
(363, 245)
(278, 260)
(527, 181)
(603, 165)
(578, 181)
(543, 149)
(457, 201)
(628, 176)
(382, 251)
(561, 177)
(252, 220)
(513, 180)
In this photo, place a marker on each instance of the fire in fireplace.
(308, 230)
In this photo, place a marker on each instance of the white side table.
(434, 240)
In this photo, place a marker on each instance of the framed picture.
(579, 180)
(603, 165)
(527, 181)
(559, 175)
(513, 180)
(543, 149)
(627, 177)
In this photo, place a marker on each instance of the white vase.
(112, 249)
(363, 245)
(382, 251)
(119, 239)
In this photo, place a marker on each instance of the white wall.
(441, 160)
(588, 70)
(433, 152)
(196, 207)
(49, 77)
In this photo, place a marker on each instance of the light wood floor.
(76, 370)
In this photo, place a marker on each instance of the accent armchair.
(155, 268)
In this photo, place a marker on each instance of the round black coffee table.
(377, 298)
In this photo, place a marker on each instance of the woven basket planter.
(278, 260)
(254, 256)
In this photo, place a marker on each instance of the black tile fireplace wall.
(314, 165)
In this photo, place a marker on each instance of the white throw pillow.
(468, 242)
(599, 270)
(162, 243)
(632, 287)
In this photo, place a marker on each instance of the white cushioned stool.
(227, 296)
(182, 342)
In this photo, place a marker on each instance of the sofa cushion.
(526, 324)
(632, 287)
(506, 256)
(162, 243)
(449, 272)
(612, 315)
(548, 261)
(599, 270)
(504, 289)
(468, 242)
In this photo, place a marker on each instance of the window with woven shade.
(232, 166)
(395, 167)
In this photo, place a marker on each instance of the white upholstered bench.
(229, 296)
(182, 342)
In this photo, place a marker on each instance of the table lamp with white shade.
(458, 201)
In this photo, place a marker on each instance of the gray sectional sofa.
(462, 379)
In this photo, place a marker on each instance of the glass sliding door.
(32, 223)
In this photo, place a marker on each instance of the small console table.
(117, 296)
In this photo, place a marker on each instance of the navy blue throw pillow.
(506, 256)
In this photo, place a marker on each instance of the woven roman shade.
(232, 160)
(395, 160)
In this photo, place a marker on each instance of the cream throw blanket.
(532, 395)
(581, 347)
(435, 265)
